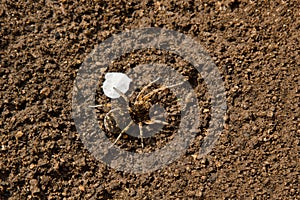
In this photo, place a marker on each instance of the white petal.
(118, 80)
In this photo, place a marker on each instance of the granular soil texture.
(254, 44)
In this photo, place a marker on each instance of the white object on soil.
(115, 80)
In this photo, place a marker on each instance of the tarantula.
(140, 106)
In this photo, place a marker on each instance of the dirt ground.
(254, 44)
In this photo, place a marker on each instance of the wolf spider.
(139, 107)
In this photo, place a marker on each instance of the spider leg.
(161, 88)
(95, 106)
(153, 121)
(121, 94)
(175, 85)
(141, 133)
(123, 131)
(144, 88)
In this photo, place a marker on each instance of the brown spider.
(140, 106)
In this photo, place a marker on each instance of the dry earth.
(254, 44)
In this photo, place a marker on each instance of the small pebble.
(81, 188)
(45, 91)
(19, 134)
(206, 110)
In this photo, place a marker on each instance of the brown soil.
(254, 44)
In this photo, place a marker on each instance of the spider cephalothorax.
(142, 102)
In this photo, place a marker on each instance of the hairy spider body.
(139, 109)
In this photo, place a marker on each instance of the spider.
(140, 106)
